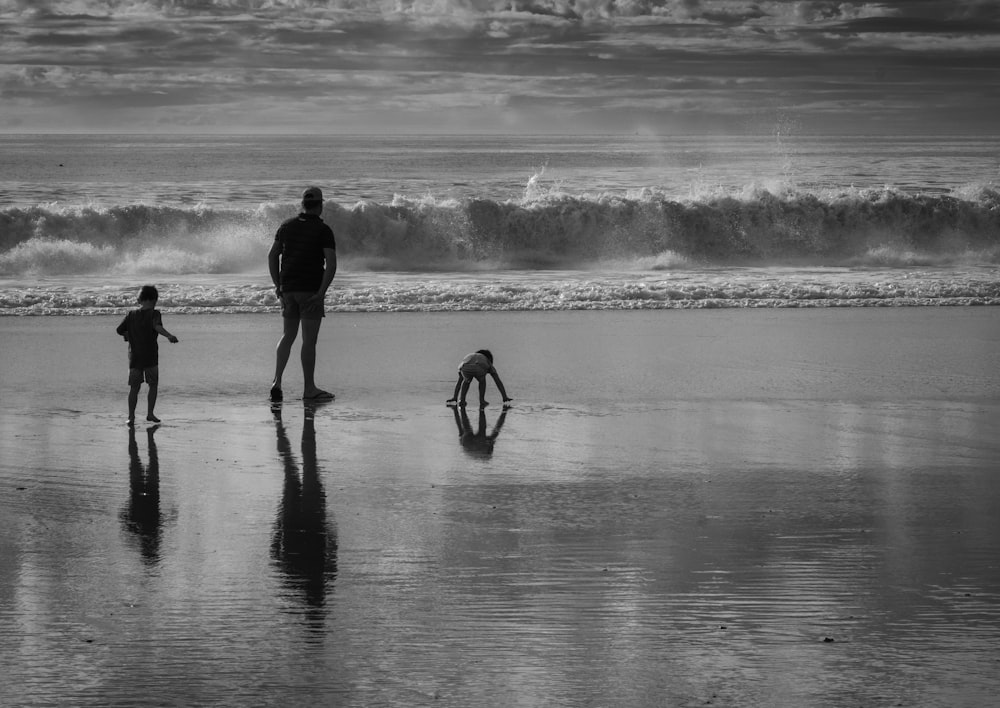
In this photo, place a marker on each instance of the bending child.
(140, 329)
(476, 366)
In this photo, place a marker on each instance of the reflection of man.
(303, 546)
(302, 263)
(142, 515)
(477, 442)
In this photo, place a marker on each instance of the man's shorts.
(296, 306)
(151, 375)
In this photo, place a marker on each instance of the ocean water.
(504, 223)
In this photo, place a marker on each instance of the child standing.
(476, 366)
(140, 329)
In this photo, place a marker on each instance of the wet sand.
(681, 508)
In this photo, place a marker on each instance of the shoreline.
(625, 286)
(678, 305)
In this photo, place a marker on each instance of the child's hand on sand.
(450, 402)
(172, 339)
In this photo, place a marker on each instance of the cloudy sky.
(609, 66)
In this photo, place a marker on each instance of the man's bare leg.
(283, 352)
(310, 335)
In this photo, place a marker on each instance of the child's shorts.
(472, 371)
(151, 375)
(297, 306)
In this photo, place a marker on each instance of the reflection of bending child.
(477, 442)
(476, 366)
(140, 329)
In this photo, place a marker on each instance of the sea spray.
(551, 230)
(46, 240)
(556, 230)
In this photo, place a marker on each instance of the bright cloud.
(425, 65)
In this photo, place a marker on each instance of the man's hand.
(316, 297)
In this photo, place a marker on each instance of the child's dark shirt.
(139, 328)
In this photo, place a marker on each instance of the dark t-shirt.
(302, 240)
(138, 328)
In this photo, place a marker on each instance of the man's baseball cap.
(312, 194)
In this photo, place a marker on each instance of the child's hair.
(149, 292)
(486, 353)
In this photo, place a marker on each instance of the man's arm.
(330, 255)
(274, 264)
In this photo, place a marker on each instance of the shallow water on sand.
(747, 528)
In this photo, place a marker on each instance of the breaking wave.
(884, 228)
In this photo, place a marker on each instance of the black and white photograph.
(516, 353)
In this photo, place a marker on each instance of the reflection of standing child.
(476, 366)
(140, 329)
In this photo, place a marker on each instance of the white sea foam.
(885, 227)
(524, 290)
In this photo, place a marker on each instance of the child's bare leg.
(133, 399)
(151, 403)
(465, 391)
(482, 393)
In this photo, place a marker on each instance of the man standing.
(302, 261)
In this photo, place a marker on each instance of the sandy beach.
(730, 507)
